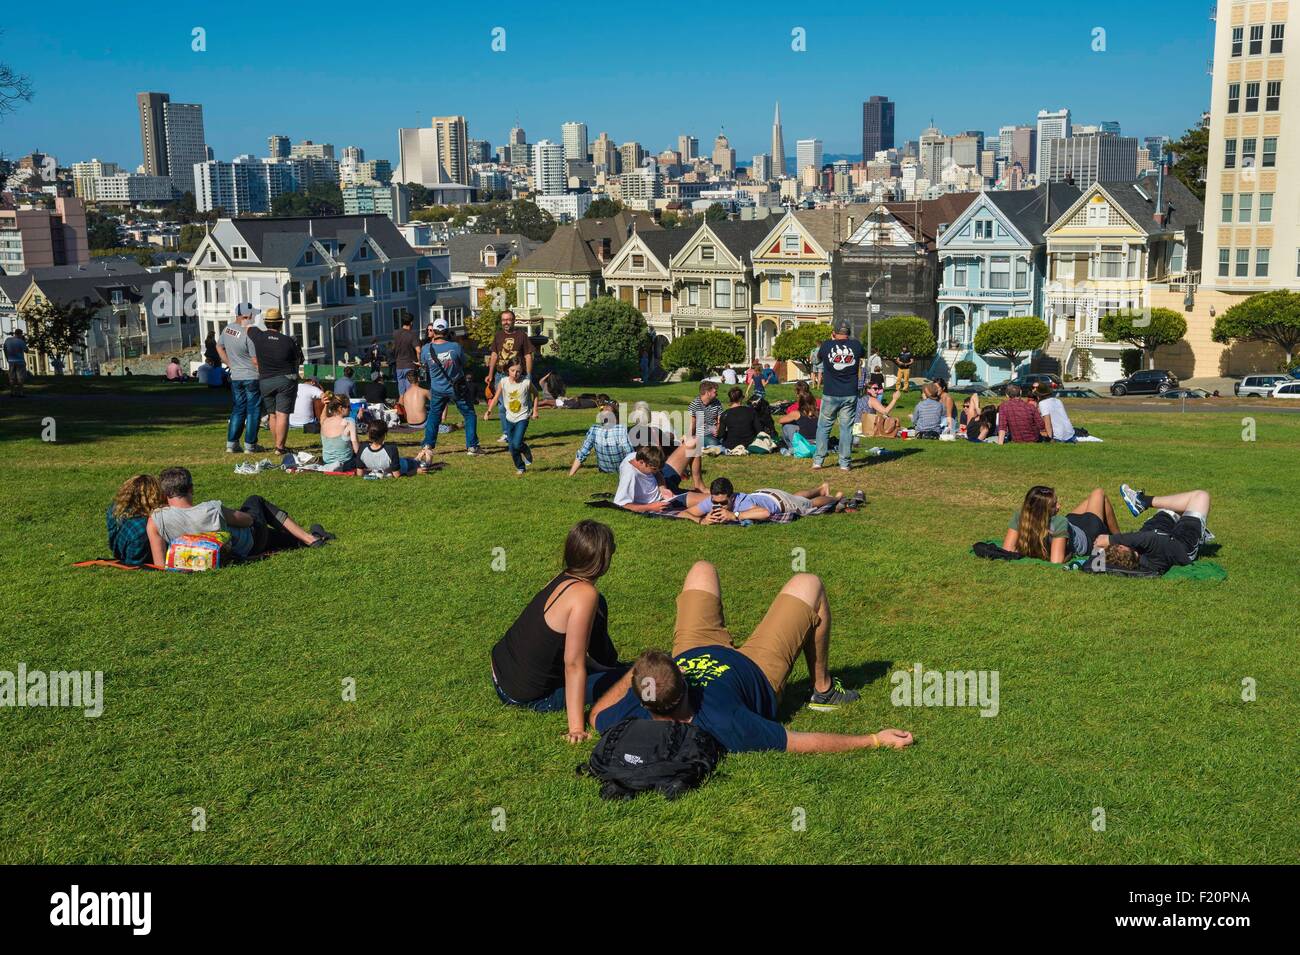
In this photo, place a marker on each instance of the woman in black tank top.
(528, 663)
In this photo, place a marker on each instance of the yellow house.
(792, 272)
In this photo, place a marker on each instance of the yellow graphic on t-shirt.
(702, 670)
(513, 402)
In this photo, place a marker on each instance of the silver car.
(1258, 386)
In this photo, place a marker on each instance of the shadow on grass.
(98, 414)
(875, 461)
(855, 677)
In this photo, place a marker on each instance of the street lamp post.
(871, 291)
(334, 351)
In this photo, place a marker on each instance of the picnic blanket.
(678, 505)
(119, 565)
(1197, 570)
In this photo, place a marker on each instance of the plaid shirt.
(1020, 420)
(611, 444)
(129, 539)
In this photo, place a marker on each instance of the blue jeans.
(514, 431)
(402, 383)
(437, 403)
(833, 406)
(247, 411)
(554, 702)
(645, 369)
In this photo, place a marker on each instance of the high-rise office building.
(310, 150)
(453, 147)
(689, 147)
(277, 147)
(171, 138)
(761, 168)
(153, 132)
(724, 157)
(574, 138)
(480, 151)
(549, 178)
(630, 155)
(1090, 158)
(808, 152)
(877, 126)
(1110, 126)
(517, 137)
(1050, 126)
(1252, 233)
(778, 145)
(605, 153)
(354, 154)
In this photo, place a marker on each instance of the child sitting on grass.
(383, 458)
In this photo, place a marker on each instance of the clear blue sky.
(311, 73)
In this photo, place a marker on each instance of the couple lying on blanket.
(148, 512)
(1171, 538)
(649, 482)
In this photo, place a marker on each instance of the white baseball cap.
(440, 324)
(246, 310)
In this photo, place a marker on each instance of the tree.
(599, 342)
(1163, 326)
(15, 88)
(1192, 152)
(1268, 317)
(1011, 338)
(322, 199)
(501, 294)
(679, 220)
(891, 334)
(715, 213)
(54, 329)
(191, 236)
(603, 208)
(101, 231)
(704, 351)
(795, 344)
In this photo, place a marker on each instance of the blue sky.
(343, 78)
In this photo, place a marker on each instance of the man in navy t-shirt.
(445, 362)
(732, 693)
(839, 358)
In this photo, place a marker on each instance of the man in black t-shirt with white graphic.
(1172, 538)
(840, 358)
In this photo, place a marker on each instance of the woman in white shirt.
(518, 405)
(1051, 408)
(304, 406)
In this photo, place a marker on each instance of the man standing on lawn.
(405, 353)
(508, 344)
(15, 348)
(1019, 420)
(731, 693)
(839, 358)
(277, 359)
(235, 349)
(445, 362)
(904, 361)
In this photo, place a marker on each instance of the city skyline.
(821, 97)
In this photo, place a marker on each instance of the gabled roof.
(466, 251)
(277, 241)
(14, 286)
(828, 227)
(1034, 211)
(923, 219)
(665, 243)
(1138, 200)
(573, 248)
(741, 236)
(94, 290)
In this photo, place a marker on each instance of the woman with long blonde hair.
(1041, 531)
(128, 518)
(338, 436)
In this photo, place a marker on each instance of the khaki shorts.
(774, 645)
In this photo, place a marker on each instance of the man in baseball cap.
(246, 310)
(445, 361)
(839, 358)
(236, 350)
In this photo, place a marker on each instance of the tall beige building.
(453, 147)
(1252, 203)
(605, 153)
(724, 157)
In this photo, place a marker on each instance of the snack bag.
(197, 551)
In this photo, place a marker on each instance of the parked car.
(1028, 381)
(1068, 392)
(1152, 381)
(973, 388)
(1179, 393)
(1287, 389)
(1258, 386)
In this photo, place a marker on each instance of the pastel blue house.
(993, 264)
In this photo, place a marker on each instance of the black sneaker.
(475, 451)
(856, 501)
(833, 698)
(320, 533)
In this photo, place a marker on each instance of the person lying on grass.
(338, 436)
(649, 482)
(128, 518)
(557, 655)
(1039, 529)
(732, 693)
(1172, 538)
(724, 505)
(378, 456)
(258, 526)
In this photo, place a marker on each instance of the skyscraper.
(1050, 126)
(724, 157)
(277, 147)
(153, 132)
(689, 147)
(778, 146)
(877, 126)
(605, 153)
(1086, 159)
(574, 137)
(549, 177)
(761, 169)
(630, 156)
(453, 147)
(171, 138)
(808, 152)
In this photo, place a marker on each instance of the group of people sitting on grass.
(1171, 538)
(557, 656)
(149, 512)
(1039, 417)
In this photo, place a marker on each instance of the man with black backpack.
(731, 694)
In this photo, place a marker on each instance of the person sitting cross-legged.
(731, 693)
(724, 505)
(257, 526)
(1172, 538)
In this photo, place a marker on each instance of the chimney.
(1162, 213)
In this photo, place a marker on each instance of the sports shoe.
(856, 501)
(304, 457)
(248, 467)
(475, 451)
(528, 458)
(817, 465)
(254, 449)
(320, 533)
(520, 472)
(1132, 499)
(845, 467)
(833, 698)
(1207, 536)
(232, 448)
(501, 440)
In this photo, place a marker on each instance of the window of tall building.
(1248, 147)
(1257, 39)
(1273, 96)
(1243, 263)
(1229, 154)
(1225, 263)
(1270, 152)
(1234, 97)
(1245, 207)
(1252, 97)
(1228, 199)
(1265, 207)
(1261, 263)
(1238, 36)
(1279, 34)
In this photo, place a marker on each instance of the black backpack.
(661, 756)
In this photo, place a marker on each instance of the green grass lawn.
(224, 691)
